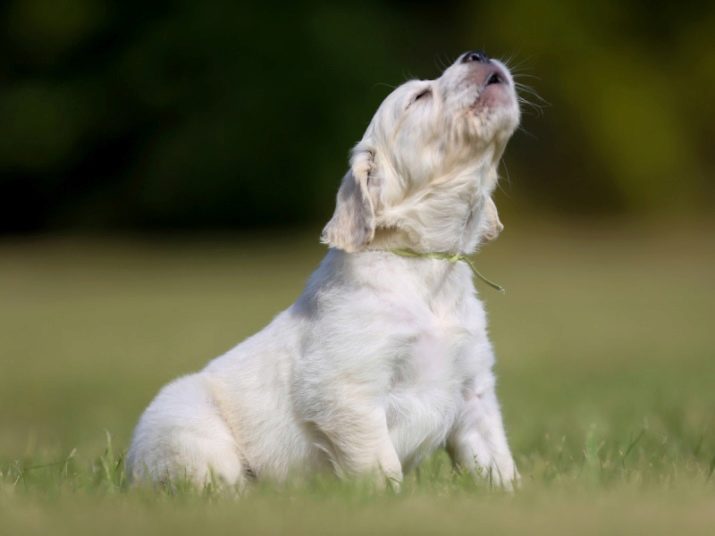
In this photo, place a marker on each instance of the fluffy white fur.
(382, 359)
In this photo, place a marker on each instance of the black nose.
(475, 55)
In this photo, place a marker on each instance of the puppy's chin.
(495, 96)
(494, 114)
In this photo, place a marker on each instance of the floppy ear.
(492, 225)
(352, 226)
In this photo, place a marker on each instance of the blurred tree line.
(190, 114)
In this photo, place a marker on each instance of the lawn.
(606, 359)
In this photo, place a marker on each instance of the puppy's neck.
(444, 215)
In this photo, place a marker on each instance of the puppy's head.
(425, 133)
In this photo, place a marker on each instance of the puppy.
(384, 357)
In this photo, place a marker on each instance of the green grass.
(606, 349)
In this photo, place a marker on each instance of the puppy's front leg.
(359, 444)
(478, 442)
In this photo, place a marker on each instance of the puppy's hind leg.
(182, 437)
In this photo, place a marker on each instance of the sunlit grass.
(606, 366)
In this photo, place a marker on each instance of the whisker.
(522, 88)
(439, 62)
(524, 75)
(539, 100)
(522, 84)
(538, 103)
(507, 62)
(507, 177)
(524, 62)
(532, 93)
(448, 60)
(407, 76)
(514, 67)
(523, 129)
(384, 84)
(530, 106)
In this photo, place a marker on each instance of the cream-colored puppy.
(384, 358)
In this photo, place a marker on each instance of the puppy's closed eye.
(424, 93)
(421, 95)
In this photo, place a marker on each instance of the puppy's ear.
(352, 226)
(492, 225)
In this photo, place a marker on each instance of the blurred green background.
(223, 114)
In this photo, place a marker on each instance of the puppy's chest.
(438, 356)
(428, 385)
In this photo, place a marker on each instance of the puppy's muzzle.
(486, 72)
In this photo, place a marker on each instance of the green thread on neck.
(449, 257)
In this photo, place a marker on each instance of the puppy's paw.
(503, 474)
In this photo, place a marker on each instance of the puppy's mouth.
(493, 90)
(494, 78)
